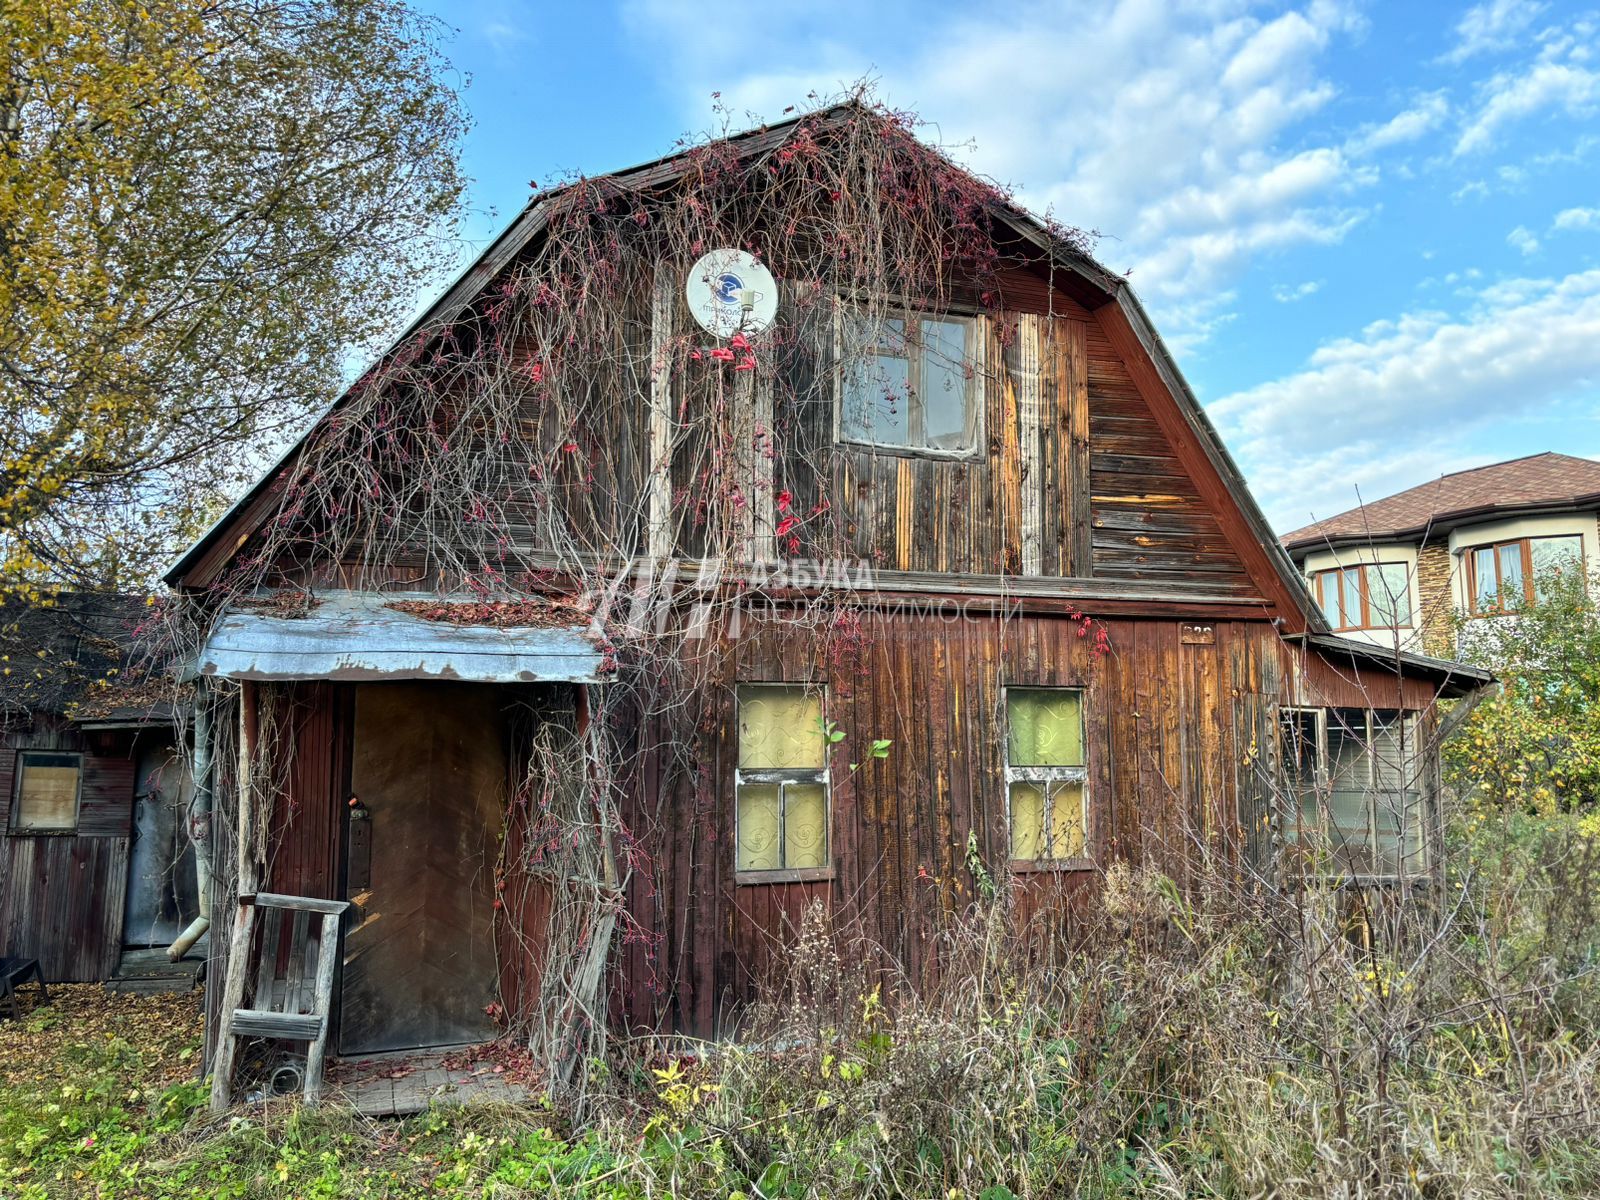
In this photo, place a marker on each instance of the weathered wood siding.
(62, 895)
(1172, 729)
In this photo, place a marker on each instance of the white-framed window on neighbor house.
(781, 806)
(1047, 776)
(1369, 596)
(1353, 789)
(912, 382)
(47, 790)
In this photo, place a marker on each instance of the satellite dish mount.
(730, 292)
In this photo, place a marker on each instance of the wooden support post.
(663, 302)
(1025, 376)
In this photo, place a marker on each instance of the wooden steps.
(149, 971)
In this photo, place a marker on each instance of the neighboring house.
(1063, 634)
(1399, 570)
(95, 864)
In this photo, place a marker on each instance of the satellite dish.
(730, 292)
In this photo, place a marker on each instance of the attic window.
(910, 383)
(47, 792)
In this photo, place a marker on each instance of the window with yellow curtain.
(781, 784)
(1047, 778)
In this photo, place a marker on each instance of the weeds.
(1218, 1040)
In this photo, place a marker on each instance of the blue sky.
(1370, 232)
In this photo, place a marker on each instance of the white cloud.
(1577, 218)
(1508, 98)
(1374, 408)
(1426, 115)
(1192, 152)
(1284, 294)
(1521, 238)
(1491, 26)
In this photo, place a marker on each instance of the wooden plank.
(660, 434)
(1073, 392)
(322, 1003)
(232, 998)
(299, 903)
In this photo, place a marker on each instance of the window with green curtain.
(1046, 774)
(781, 783)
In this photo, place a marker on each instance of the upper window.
(781, 785)
(1047, 778)
(47, 791)
(1352, 774)
(1509, 574)
(911, 383)
(1372, 596)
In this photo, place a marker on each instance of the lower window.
(781, 784)
(1047, 778)
(1353, 775)
(48, 784)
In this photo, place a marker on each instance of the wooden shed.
(938, 580)
(96, 864)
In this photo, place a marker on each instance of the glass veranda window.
(781, 784)
(910, 383)
(1352, 777)
(1047, 779)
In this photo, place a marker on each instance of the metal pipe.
(199, 824)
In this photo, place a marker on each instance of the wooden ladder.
(285, 1002)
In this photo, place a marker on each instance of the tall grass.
(1223, 1040)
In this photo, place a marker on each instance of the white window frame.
(977, 360)
(1045, 776)
(1323, 784)
(783, 777)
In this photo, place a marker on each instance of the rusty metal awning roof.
(358, 636)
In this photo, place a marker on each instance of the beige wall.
(1409, 636)
(1464, 537)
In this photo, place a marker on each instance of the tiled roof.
(1538, 481)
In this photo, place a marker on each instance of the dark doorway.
(428, 768)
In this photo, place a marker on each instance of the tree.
(206, 208)
(1536, 744)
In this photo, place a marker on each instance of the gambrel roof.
(1108, 295)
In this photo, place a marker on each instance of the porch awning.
(359, 636)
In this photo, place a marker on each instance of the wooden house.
(95, 861)
(578, 642)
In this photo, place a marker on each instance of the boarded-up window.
(1047, 780)
(47, 791)
(781, 784)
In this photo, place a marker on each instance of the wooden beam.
(663, 299)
